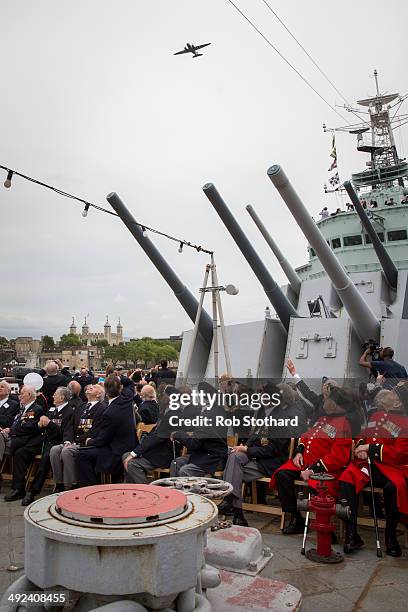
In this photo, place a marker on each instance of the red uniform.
(387, 435)
(326, 447)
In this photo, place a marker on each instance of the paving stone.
(325, 602)
(383, 599)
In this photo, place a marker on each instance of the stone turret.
(73, 329)
(107, 331)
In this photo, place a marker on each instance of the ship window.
(352, 240)
(397, 235)
(379, 234)
(313, 254)
(336, 243)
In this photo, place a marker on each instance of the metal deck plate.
(121, 504)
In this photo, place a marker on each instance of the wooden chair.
(143, 428)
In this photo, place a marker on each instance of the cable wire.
(283, 24)
(266, 39)
(87, 204)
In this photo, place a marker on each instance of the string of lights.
(87, 205)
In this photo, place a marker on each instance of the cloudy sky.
(94, 101)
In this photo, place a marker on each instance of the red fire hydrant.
(324, 507)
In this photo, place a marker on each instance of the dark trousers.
(85, 461)
(22, 458)
(42, 472)
(285, 480)
(348, 492)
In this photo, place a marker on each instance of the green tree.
(4, 343)
(48, 342)
(115, 354)
(67, 340)
(102, 343)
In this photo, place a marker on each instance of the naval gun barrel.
(291, 274)
(279, 301)
(184, 296)
(364, 321)
(388, 266)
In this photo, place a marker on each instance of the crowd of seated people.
(337, 431)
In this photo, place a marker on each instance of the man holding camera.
(385, 365)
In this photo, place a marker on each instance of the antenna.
(376, 81)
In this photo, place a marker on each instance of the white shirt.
(112, 400)
(4, 401)
(28, 406)
(59, 408)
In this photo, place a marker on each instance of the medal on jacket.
(392, 429)
(329, 430)
(264, 441)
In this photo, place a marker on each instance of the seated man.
(76, 399)
(85, 424)
(155, 450)
(385, 442)
(263, 452)
(325, 447)
(8, 406)
(117, 433)
(148, 408)
(52, 427)
(23, 434)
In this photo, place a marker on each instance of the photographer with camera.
(382, 362)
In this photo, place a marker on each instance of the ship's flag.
(333, 154)
(334, 179)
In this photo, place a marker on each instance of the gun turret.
(291, 275)
(184, 296)
(363, 319)
(279, 301)
(389, 269)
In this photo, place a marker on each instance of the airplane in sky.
(190, 48)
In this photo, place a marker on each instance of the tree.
(48, 342)
(4, 343)
(116, 353)
(102, 342)
(67, 340)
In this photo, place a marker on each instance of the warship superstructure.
(353, 287)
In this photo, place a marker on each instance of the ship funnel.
(389, 269)
(364, 321)
(291, 274)
(184, 296)
(279, 301)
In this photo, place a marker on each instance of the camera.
(373, 347)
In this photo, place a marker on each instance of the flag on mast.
(334, 179)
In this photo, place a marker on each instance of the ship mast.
(375, 136)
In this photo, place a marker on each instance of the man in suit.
(148, 409)
(8, 406)
(85, 424)
(103, 453)
(164, 375)
(52, 427)
(75, 388)
(155, 450)
(52, 380)
(84, 378)
(23, 433)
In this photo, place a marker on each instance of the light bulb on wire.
(85, 211)
(7, 182)
(180, 249)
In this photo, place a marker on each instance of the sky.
(94, 101)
